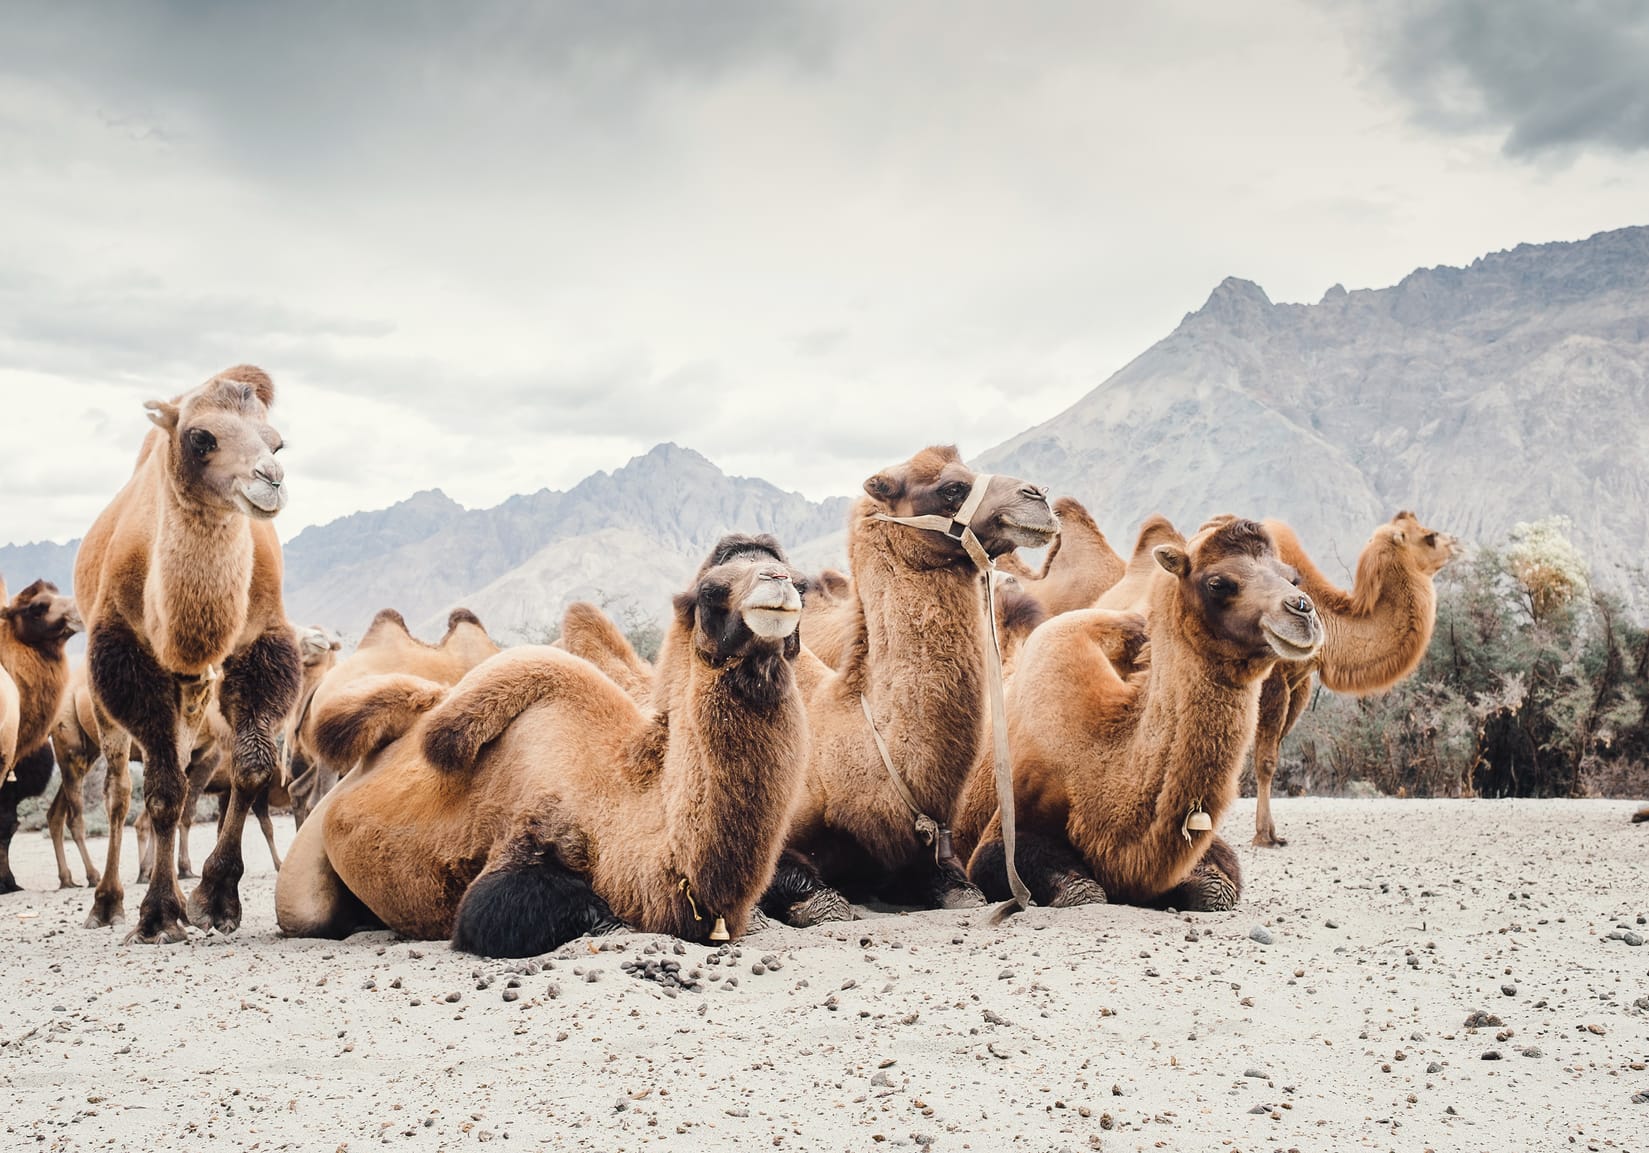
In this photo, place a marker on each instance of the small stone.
(1004, 975)
(1331, 924)
(1532, 1051)
(1478, 1019)
(512, 994)
(1260, 1109)
(1261, 934)
(1633, 939)
(1640, 1098)
(1491, 1055)
(1434, 1067)
(454, 998)
(1256, 1074)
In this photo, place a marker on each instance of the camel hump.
(489, 698)
(1069, 508)
(366, 715)
(462, 616)
(1156, 530)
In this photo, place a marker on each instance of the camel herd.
(797, 745)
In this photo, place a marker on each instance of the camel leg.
(930, 884)
(203, 762)
(527, 904)
(29, 777)
(1052, 870)
(143, 699)
(300, 786)
(1215, 883)
(1268, 739)
(260, 810)
(109, 899)
(143, 829)
(77, 825)
(57, 819)
(799, 898)
(259, 687)
(311, 900)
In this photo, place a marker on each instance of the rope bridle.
(937, 833)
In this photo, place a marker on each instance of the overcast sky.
(493, 247)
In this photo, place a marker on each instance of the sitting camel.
(1119, 783)
(180, 581)
(917, 665)
(1080, 566)
(1375, 635)
(387, 647)
(35, 627)
(535, 801)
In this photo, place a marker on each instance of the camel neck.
(198, 593)
(1375, 640)
(736, 754)
(920, 662)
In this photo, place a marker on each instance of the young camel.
(180, 582)
(918, 662)
(387, 647)
(1375, 635)
(1080, 566)
(34, 670)
(1119, 783)
(535, 801)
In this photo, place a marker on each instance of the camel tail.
(368, 714)
(484, 703)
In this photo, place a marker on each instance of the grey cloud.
(1552, 77)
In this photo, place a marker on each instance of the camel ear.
(256, 377)
(1172, 558)
(163, 414)
(1396, 536)
(885, 487)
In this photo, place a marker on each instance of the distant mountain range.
(1506, 391)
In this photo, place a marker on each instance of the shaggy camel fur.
(1080, 566)
(1132, 594)
(918, 659)
(318, 647)
(832, 629)
(34, 628)
(1375, 635)
(535, 801)
(180, 582)
(588, 632)
(1119, 783)
(388, 647)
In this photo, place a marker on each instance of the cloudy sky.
(494, 247)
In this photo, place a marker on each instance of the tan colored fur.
(588, 632)
(1080, 566)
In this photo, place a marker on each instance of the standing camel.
(180, 582)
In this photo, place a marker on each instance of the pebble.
(1256, 1074)
(1260, 1109)
(1331, 924)
(1261, 934)
(1434, 1067)
(1509, 990)
(1478, 1019)
(1532, 1051)
(1632, 938)
(1640, 1098)
(1491, 1054)
(454, 998)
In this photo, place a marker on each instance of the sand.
(1103, 1028)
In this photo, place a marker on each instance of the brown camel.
(535, 801)
(180, 582)
(1376, 634)
(1080, 566)
(34, 670)
(1119, 783)
(1132, 594)
(387, 647)
(75, 742)
(918, 661)
(588, 632)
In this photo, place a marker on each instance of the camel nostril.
(1036, 492)
(771, 574)
(273, 475)
(1302, 605)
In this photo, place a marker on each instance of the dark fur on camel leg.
(528, 910)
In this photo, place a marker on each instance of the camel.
(1376, 635)
(917, 662)
(1641, 815)
(180, 582)
(76, 745)
(535, 801)
(386, 647)
(588, 632)
(1132, 594)
(1080, 566)
(1120, 783)
(34, 670)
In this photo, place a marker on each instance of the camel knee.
(523, 911)
(260, 685)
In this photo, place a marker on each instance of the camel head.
(222, 445)
(1237, 600)
(40, 616)
(745, 602)
(1012, 514)
(316, 644)
(1422, 549)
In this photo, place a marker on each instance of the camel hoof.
(8, 884)
(963, 896)
(820, 908)
(142, 877)
(105, 913)
(1075, 890)
(185, 873)
(70, 883)
(93, 878)
(209, 911)
(165, 933)
(1268, 840)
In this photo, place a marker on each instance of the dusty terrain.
(1107, 1028)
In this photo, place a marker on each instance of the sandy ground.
(1104, 1028)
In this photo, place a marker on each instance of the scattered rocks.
(666, 972)
(1478, 1019)
(1261, 934)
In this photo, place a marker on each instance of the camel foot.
(107, 910)
(8, 884)
(93, 878)
(1074, 890)
(143, 876)
(965, 895)
(71, 883)
(820, 908)
(165, 932)
(216, 909)
(1268, 839)
(185, 873)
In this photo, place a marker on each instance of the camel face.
(746, 602)
(222, 445)
(1426, 550)
(315, 643)
(1245, 599)
(935, 482)
(40, 615)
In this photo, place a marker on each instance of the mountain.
(23, 564)
(1506, 391)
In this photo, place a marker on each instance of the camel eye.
(1222, 586)
(1431, 540)
(956, 490)
(202, 442)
